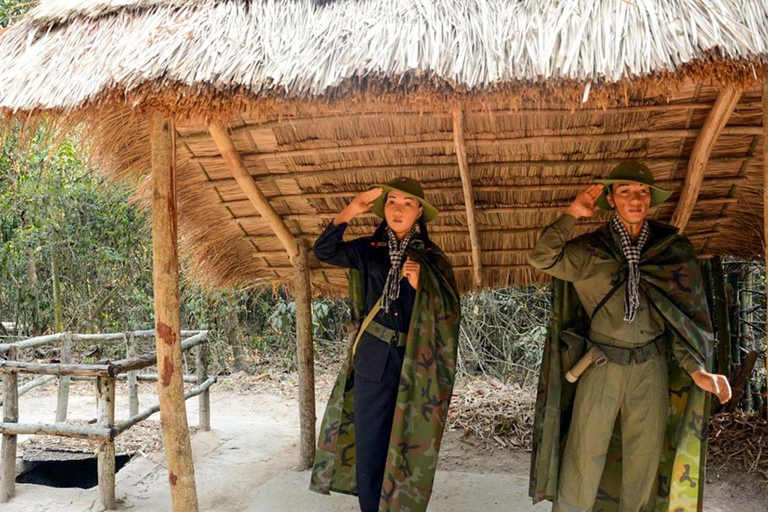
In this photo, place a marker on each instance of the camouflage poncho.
(426, 385)
(672, 281)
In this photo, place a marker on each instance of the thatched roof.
(70, 52)
(324, 101)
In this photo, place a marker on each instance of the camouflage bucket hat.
(633, 172)
(407, 186)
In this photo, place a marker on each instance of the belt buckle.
(637, 355)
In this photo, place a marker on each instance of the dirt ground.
(247, 462)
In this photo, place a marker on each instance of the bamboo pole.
(765, 193)
(165, 277)
(62, 402)
(31, 342)
(57, 429)
(201, 368)
(133, 385)
(341, 116)
(305, 357)
(460, 211)
(713, 126)
(148, 333)
(432, 188)
(469, 195)
(420, 170)
(149, 411)
(33, 384)
(146, 360)
(8, 449)
(499, 141)
(105, 455)
(260, 202)
(93, 370)
(142, 377)
(721, 318)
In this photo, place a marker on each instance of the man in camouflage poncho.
(384, 421)
(630, 436)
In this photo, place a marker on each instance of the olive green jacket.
(592, 274)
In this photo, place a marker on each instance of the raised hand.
(360, 204)
(584, 204)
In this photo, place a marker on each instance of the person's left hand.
(716, 384)
(411, 272)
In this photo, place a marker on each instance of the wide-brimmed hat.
(633, 172)
(407, 186)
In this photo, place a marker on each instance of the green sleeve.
(557, 257)
(684, 358)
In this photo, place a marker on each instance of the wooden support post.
(697, 164)
(305, 356)
(721, 318)
(8, 449)
(299, 258)
(201, 368)
(133, 385)
(165, 278)
(765, 190)
(105, 455)
(469, 195)
(63, 400)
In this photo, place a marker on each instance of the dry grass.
(739, 441)
(493, 413)
(455, 44)
(356, 93)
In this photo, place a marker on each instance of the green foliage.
(53, 206)
(12, 10)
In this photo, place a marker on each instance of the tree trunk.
(34, 288)
(57, 308)
(165, 278)
(233, 331)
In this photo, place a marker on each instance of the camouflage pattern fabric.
(426, 385)
(672, 280)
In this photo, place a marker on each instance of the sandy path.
(247, 463)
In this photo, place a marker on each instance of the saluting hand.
(411, 271)
(360, 204)
(584, 204)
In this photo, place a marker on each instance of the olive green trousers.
(640, 393)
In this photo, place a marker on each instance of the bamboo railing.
(105, 374)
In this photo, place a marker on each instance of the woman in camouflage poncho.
(384, 422)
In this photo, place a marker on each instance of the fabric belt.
(633, 355)
(386, 334)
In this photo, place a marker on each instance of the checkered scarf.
(632, 254)
(396, 253)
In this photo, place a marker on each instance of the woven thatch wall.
(324, 101)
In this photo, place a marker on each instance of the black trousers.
(376, 381)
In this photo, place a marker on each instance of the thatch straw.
(324, 101)
(68, 53)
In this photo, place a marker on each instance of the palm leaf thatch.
(323, 101)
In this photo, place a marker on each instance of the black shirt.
(372, 260)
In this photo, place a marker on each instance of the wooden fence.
(105, 374)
